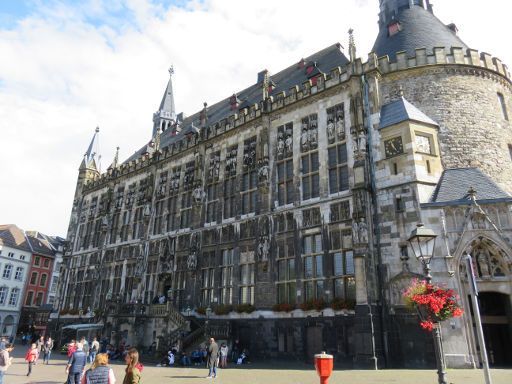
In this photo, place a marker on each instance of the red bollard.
(323, 365)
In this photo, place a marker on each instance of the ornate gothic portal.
(492, 268)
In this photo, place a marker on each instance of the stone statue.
(192, 259)
(264, 173)
(198, 194)
(483, 264)
(363, 231)
(355, 232)
(289, 144)
(263, 248)
(280, 145)
(330, 131)
(361, 142)
(304, 139)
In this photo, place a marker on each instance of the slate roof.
(401, 110)
(454, 184)
(39, 246)
(326, 60)
(13, 236)
(419, 29)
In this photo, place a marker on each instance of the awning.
(83, 327)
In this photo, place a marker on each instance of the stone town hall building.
(279, 216)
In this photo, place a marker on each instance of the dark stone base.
(368, 348)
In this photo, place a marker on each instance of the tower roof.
(401, 110)
(89, 157)
(405, 25)
(167, 108)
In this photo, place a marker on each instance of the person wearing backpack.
(5, 360)
(31, 357)
(100, 372)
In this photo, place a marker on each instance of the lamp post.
(422, 242)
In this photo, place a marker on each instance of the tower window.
(510, 150)
(395, 169)
(394, 27)
(503, 106)
(429, 169)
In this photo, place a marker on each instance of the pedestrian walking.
(76, 365)
(71, 348)
(3, 343)
(47, 349)
(100, 372)
(40, 345)
(5, 360)
(223, 355)
(31, 357)
(133, 367)
(212, 359)
(85, 347)
(95, 348)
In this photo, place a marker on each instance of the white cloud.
(67, 68)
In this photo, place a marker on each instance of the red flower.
(427, 325)
(457, 312)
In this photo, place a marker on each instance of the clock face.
(394, 146)
(423, 144)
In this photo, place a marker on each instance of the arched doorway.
(492, 268)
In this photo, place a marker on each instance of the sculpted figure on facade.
(280, 145)
(199, 195)
(362, 231)
(331, 132)
(304, 138)
(264, 172)
(264, 248)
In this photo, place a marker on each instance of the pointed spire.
(89, 161)
(351, 45)
(115, 162)
(166, 114)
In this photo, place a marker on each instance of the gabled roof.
(401, 110)
(419, 28)
(454, 184)
(296, 74)
(13, 236)
(40, 245)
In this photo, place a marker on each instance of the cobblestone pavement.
(251, 374)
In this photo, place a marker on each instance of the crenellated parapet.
(456, 56)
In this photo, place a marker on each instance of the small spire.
(165, 117)
(265, 86)
(115, 162)
(351, 45)
(401, 91)
(89, 161)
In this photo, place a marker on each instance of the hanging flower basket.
(433, 304)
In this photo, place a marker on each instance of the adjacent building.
(280, 215)
(15, 258)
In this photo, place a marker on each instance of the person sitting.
(196, 357)
(185, 360)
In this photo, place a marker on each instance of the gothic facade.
(279, 216)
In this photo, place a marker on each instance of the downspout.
(375, 218)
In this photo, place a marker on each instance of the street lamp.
(208, 313)
(422, 241)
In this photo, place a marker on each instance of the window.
(42, 283)
(22, 257)
(11, 254)
(208, 278)
(7, 271)
(212, 188)
(343, 264)
(310, 176)
(3, 295)
(230, 190)
(336, 123)
(159, 213)
(285, 188)
(55, 281)
(37, 261)
(46, 263)
(19, 274)
(39, 299)
(33, 278)
(13, 298)
(309, 133)
(248, 191)
(226, 277)
(30, 298)
(503, 106)
(338, 169)
(340, 211)
(246, 294)
(313, 267)
(186, 209)
(286, 273)
(138, 225)
(172, 216)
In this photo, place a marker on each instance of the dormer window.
(394, 27)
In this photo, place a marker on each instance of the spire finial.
(351, 45)
(171, 70)
(401, 91)
(97, 129)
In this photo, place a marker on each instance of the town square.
(255, 191)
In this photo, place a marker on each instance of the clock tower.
(409, 149)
